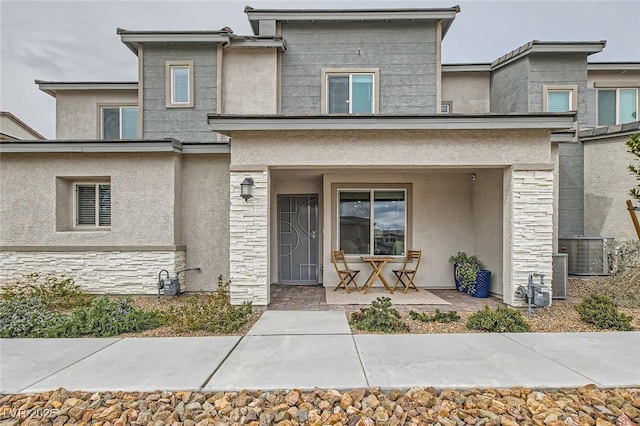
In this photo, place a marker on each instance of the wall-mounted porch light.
(245, 188)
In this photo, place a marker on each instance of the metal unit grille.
(586, 255)
(559, 277)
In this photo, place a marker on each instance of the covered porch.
(483, 185)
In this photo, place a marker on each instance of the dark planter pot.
(483, 284)
(457, 281)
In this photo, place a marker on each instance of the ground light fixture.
(246, 188)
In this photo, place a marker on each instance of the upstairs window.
(350, 91)
(179, 84)
(617, 106)
(119, 122)
(93, 205)
(560, 98)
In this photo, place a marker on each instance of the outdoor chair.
(408, 270)
(347, 276)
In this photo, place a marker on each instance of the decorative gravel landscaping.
(588, 405)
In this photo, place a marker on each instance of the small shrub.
(602, 312)
(379, 317)
(22, 316)
(215, 313)
(501, 320)
(107, 317)
(441, 317)
(53, 291)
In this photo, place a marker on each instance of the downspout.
(141, 91)
(219, 91)
(438, 67)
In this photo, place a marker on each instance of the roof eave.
(613, 66)
(537, 46)
(52, 87)
(447, 15)
(227, 124)
(132, 39)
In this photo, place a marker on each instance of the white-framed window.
(560, 98)
(179, 75)
(446, 107)
(617, 106)
(92, 205)
(372, 221)
(350, 91)
(118, 122)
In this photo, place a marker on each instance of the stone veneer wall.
(112, 272)
(249, 240)
(532, 228)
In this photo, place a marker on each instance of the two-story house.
(253, 156)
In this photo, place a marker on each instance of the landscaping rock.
(588, 405)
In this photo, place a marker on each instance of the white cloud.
(76, 40)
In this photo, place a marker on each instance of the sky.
(77, 41)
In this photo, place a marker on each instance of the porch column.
(531, 228)
(249, 239)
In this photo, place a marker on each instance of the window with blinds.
(93, 204)
(179, 84)
(559, 101)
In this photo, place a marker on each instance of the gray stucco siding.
(509, 88)
(571, 190)
(185, 124)
(556, 69)
(404, 54)
(564, 69)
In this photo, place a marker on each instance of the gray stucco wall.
(185, 124)
(404, 53)
(548, 69)
(556, 69)
(519, 87)
(509, 88)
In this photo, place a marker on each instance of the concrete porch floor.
(312, 298)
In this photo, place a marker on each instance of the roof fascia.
(226, 124)
(132, 39)
(447, 15)
(51, 87)
(92, 146)
(537, 46)
(613, 66)
(466, 67)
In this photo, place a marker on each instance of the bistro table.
(377, 264)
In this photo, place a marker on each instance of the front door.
(298, 239)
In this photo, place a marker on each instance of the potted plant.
(469, 275)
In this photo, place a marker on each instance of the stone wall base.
(109, 272)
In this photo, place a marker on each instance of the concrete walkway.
(298, 349)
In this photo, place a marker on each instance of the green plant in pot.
(466, 270)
